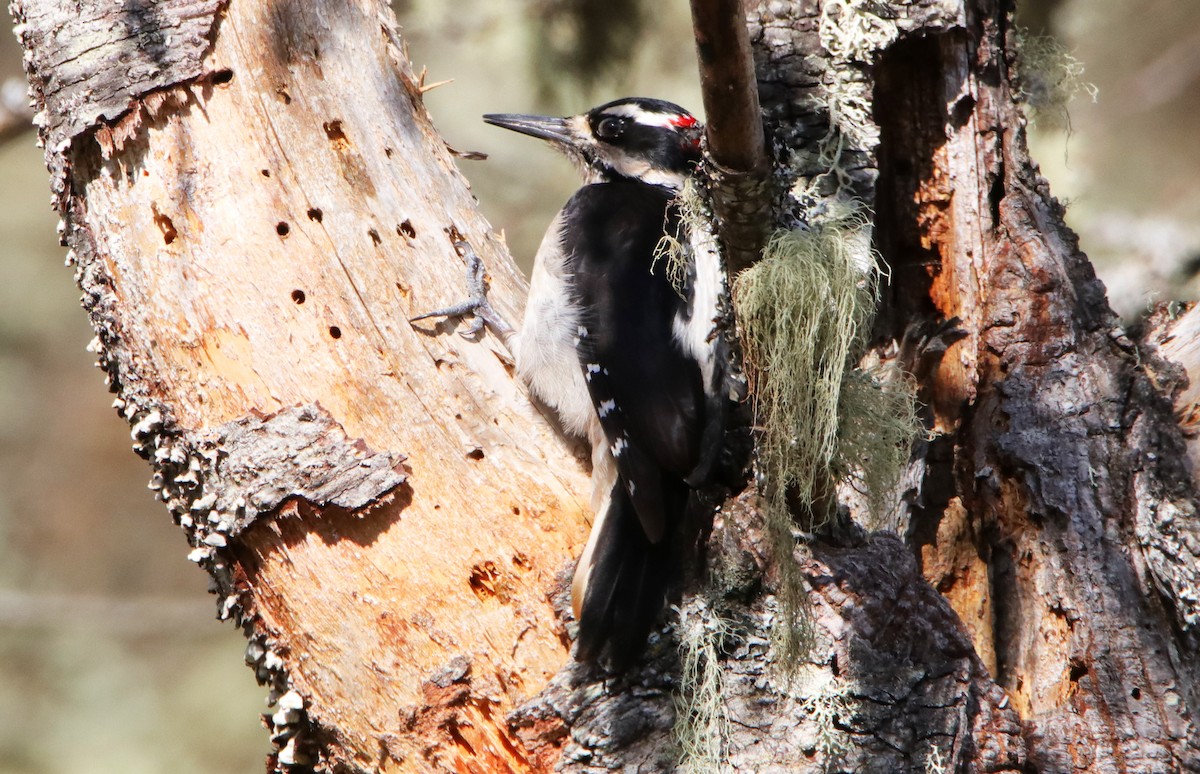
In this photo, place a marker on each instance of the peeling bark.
(298, 452)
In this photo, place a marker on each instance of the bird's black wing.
(648, 394)
(650, 399)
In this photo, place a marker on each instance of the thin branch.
(736, 144)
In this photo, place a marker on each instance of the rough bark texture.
(1059, 448)
(255, 200)
(1170, 532)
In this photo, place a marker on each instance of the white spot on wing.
(607, 407)
(619, 446)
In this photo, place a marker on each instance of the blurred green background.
(111, 659)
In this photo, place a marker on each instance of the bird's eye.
(610, 128)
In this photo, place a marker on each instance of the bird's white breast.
(545, 348)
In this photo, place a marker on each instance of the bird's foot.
(477, 305)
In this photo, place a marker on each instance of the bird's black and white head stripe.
(649, 140)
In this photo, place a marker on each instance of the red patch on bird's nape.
(691, 139)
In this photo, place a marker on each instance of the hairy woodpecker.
(625, 357)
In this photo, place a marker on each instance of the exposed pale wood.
(252, 234)
(1176, 335)
(1170, 534)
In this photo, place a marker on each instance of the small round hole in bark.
(333, 130)
(475, 454)
(335, 332)
(315, 214)
(406, 230)
(298, 296)
(516, 510)
(483, 579)
(282, 228)
(265, 172)
(387, 152)
(222, 76)
(375, 238)
(166, 226)
(1136, 693)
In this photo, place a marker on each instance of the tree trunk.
(255, 201)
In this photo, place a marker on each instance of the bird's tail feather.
(621, 584)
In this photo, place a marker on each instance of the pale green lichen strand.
(851, 34)
(802, 310)
(878, 422)
(701, 719)
(1051, 76)
(672, 254)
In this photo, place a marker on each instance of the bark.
(1052, 511)
(1059, 445)
(255, 201)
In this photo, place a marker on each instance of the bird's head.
(650, 140)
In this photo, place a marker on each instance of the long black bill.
(545, 127)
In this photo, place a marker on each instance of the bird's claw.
(477, 304)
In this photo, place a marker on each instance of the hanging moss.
(803, 313)
(878, 422)
(701, 723)
(1051, 77)
(672, 254)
